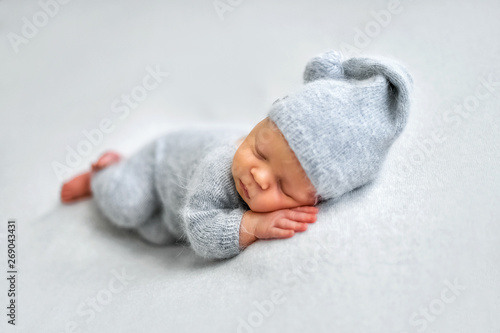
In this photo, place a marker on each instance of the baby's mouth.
(244, 189)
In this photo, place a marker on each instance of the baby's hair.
(313, 193)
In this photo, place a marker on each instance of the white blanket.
(417, 250)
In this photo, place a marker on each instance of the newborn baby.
(220, 191)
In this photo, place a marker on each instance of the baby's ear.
(327, 65)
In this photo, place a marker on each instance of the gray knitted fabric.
(342, 122)
(178, 188)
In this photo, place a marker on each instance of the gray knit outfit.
(178, 188)
(340, 124)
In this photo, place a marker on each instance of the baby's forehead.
(271, 135)
(278, 147)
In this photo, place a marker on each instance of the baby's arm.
(212, 232)
(281, 223)
(216, 226)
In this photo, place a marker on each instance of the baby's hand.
(284, 223)
(281, 223)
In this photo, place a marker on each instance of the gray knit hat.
(343, 120)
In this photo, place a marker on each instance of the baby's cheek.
(276, 201)
(237, 169)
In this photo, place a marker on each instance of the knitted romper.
(178, 188)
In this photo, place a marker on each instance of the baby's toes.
(66, 194)
(107, 159)
(65, 188)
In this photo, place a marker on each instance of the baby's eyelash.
(259, 154)
(279, 185)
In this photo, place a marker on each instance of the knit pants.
(126, 194)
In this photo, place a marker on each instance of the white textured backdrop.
(417, 251)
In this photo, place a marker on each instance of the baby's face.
(270, 172)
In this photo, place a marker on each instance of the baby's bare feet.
(79, 187)
(105, 160)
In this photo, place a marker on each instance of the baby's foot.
(105, 160)
(77, 188)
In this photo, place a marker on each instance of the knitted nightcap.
(343, 120)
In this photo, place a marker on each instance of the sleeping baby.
(219, 190)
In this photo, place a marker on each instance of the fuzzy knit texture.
(343, 120)
(178, 188)
(340, 126)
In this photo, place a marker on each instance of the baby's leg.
(125, 191)
(154, 231)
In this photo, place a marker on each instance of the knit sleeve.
(211, 214)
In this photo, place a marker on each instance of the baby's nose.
(261, 177)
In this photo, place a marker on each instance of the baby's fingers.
(300, 216)
(306, 209)
(292, 225)
(282, 233)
